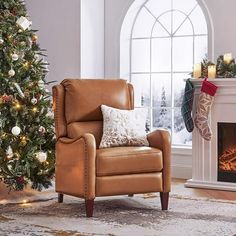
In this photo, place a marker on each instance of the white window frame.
(127, 25)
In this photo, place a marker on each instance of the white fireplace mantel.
(204, 153)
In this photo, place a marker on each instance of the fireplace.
(226, 152)
(213, 163)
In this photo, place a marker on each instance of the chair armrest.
(161, 139)
(75, 166)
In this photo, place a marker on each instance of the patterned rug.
(140, 215)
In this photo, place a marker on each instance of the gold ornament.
(26, 65)
(34, 37)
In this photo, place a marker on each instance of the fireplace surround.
(210, 169)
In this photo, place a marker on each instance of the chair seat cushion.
(128, 160)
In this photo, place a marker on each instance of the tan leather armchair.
(83, 170)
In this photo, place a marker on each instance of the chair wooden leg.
(60, 197)
(164, 200)
(89, 207)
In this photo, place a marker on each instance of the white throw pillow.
(123, 127)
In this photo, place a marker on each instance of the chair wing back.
(77, 104)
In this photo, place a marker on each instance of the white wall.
(223, 18)
(92, 38)
(58, 23)
(115, 11)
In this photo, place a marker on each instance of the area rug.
(119, 216)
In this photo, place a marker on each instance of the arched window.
(166, 38)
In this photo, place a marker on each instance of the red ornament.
(13, 12)
(6, 98)
(20, 180)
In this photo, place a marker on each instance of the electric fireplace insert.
(227, 152)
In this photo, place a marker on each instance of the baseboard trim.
(181, 171)
(211, 185)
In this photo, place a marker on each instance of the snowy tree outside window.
(167, 38)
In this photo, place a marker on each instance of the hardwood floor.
(178, 188)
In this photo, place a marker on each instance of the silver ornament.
(42, 129)
(16, 130)
(11, 72)
(41, 156)
(1, 41)
(15, 57)
(34, 100)
(41, 83)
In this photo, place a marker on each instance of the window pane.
(165, 20)
(161, 55)
(182, 53)
(141, 85)
(161, 90)
(200, 50)
(141, 55)
(178, 19)
(158, 7)
(180, 135)
(159, 31)
(161, 118)
(199, 22)
(143, 24)
(147, 112)
(184, 5)
(185, 29)
(179, 85)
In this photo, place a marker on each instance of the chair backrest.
(77, 104)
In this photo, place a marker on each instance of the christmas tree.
(26, 126)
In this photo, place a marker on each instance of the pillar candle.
(197, 70)
(228, 58)
(211, 72)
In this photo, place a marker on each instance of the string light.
(35, 109)
(24, 201)
(8, 157)
(17, 106)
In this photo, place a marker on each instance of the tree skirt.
(120, 216)
(28, 195)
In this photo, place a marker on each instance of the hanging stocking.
(187, 104)
(205, 101)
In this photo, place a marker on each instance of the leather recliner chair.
(82, 169)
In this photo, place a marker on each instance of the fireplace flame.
(227, 161)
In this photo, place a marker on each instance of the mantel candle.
(212, 71)
(228, 58)
(197, 70)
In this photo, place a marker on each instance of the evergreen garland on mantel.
(223, 70)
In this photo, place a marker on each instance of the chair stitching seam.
(131, 154)
(132, 172)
